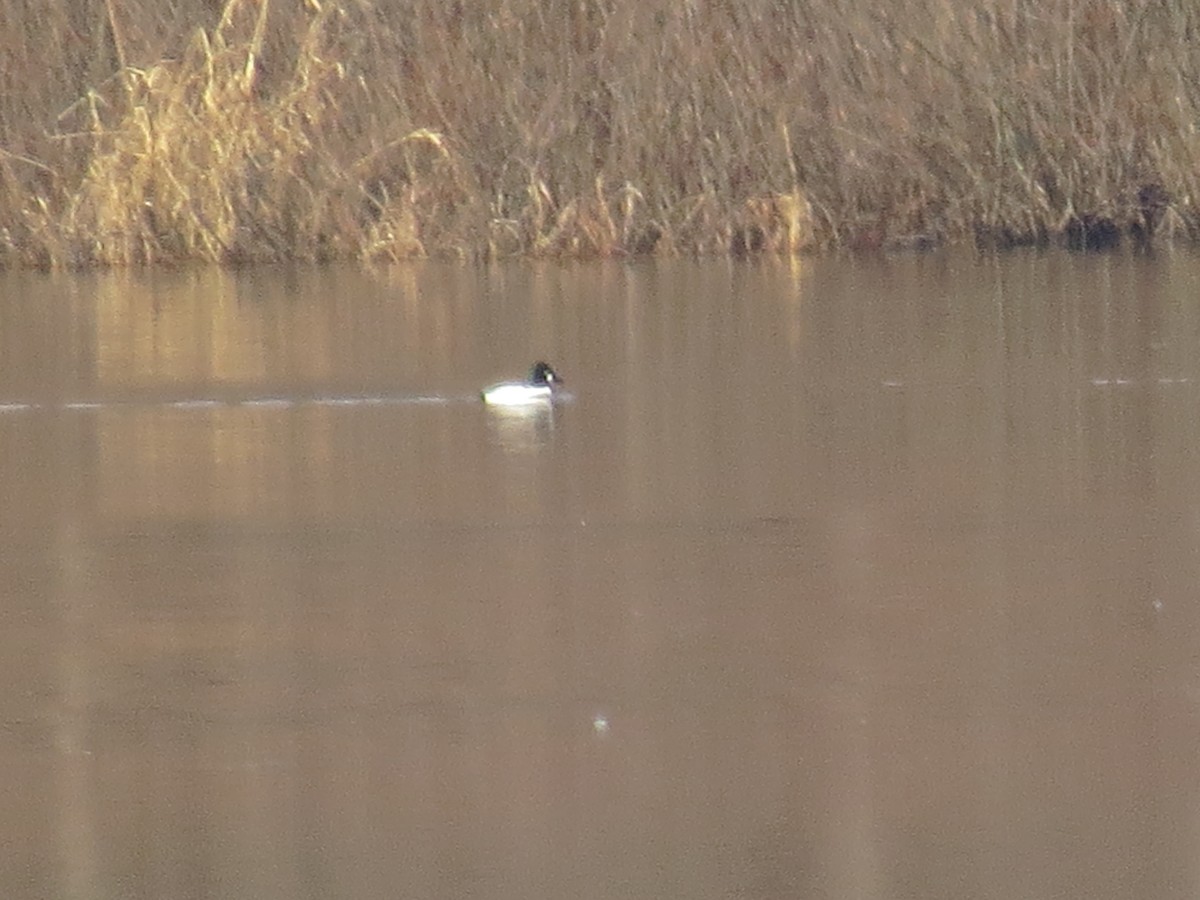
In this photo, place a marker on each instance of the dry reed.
(337, 129)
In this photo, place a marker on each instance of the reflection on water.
(852, 579)
(521, 430)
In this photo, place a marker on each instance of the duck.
(539, 387)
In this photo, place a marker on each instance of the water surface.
(850, 578)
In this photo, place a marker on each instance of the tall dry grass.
(134, 131)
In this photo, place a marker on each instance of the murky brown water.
(858, 579)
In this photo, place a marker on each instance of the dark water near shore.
(861, 578)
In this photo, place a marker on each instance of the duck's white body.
(539, 388)
(517, 393)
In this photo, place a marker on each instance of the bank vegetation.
(138, 131)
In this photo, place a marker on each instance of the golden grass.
(336, 129)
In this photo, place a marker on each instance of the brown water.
(852, 579)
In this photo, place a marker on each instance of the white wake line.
(1125, 382)
(211, 403)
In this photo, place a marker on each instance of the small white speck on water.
(600, 724)
(1157, 604)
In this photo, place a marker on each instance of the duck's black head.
(541, 373)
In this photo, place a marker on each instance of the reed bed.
(133, 131)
